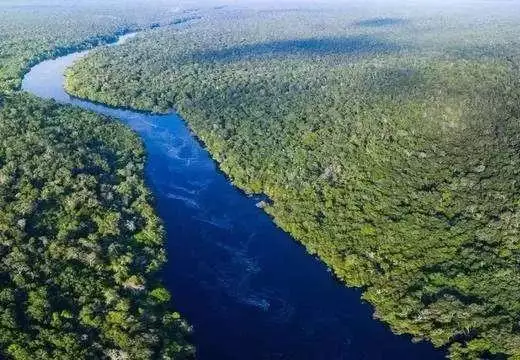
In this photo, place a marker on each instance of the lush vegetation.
(79, 241)
(388, 146)
(37, 30)
(80, 244)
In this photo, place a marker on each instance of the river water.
(250, 291)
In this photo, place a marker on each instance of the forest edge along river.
(249, 290)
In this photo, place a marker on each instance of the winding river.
(250, 291)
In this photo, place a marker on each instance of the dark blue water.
(250, 291)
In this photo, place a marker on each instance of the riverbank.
(367, 134)
(229, 264)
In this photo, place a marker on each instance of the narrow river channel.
(249, 290)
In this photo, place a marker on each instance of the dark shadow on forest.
(313, 46)
(396, 82)
(492, 51)
(379, 22)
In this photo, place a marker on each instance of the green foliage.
(392, 155)
(160, 295)
(80, 243)
(74, 277)
(32, 32)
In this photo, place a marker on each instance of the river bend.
(250, 291)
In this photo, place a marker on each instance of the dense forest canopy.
(387, 141)
(80, 244)
(79, 241)
(31, 31)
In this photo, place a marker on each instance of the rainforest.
(383, 137)
(80, 242)
(388, 147)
